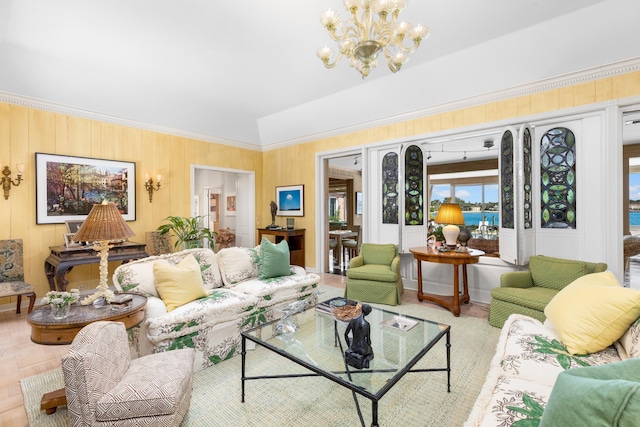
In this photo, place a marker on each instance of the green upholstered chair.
(529, 292)
(374, 275)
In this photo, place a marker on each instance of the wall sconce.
(7, 181)
(148, 185)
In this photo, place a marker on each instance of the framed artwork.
(69, 242)
(358, 203)
(290, 200)
(73, 225)
(231, 204)
(67, 187)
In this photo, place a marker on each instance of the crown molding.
(52, 107)
(596, 73)
(565, 80)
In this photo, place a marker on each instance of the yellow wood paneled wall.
(26, 131)
(296, 164)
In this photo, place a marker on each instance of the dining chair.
(351, 245)
(12, 273)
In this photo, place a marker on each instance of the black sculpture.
(274, 209)
(360, 352)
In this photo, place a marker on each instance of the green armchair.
(529, 292)
(374, 275)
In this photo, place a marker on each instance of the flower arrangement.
(61, 297)
(225, 236)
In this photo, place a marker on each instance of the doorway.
(342, 179)
(225, 198)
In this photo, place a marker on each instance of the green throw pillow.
(274, 259)
(602, 395)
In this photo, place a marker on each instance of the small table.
(319, 346)
(47, 330)
(339, 234)
(294, 238)
(63, 259)
(429, 254)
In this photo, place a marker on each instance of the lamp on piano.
(103, 225)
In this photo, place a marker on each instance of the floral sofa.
(236, 299)
(546, 374)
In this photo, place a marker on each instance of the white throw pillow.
(238, 264)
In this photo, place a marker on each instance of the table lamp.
(450, 214)
(103, 225)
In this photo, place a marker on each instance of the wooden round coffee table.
(47, 330)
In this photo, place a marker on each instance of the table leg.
(244, 356)
(420, 281)
(465, 294)
(51, 401)
(456, 290)
(50, 271)
(374, 414)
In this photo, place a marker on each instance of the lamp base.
(450, 233)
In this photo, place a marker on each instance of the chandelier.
(371, 29)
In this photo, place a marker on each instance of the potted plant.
(188, 231)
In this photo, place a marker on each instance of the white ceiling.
(245, 71)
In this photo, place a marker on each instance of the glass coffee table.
(398, 341)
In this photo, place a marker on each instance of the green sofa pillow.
(274, 259)
(602, 395)
(555, 273)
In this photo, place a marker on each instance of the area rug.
(418, 399)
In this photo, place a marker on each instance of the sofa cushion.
(375, 272)
(535, 297)
(606, 395)
(238, 264)
(378, 253)
(274, 259)
(137, 276)
(555, 273)
(180, 284)
(593, 312)
(153, 385)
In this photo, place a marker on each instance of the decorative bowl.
(345, 309)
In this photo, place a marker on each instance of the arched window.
(558, 178)
(527, 169)
(506, 179)
(414, 185)
(390, 189)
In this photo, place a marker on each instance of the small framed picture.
(73, 225)
(69, 241)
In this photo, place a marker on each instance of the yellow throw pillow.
(180, 284)
(592, 312)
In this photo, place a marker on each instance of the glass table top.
(396, 349)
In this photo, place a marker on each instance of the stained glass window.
(413, 186)
(528, 170)
(506, 179)
(390, 188)
(558, 178)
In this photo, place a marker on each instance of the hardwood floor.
(20, 358)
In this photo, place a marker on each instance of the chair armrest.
(357, 261)
(395, 264)
(516, 279)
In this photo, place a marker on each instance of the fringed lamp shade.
(450, 214)
(103, 225)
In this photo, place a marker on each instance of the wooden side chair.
(352, 245)
(12, 273)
